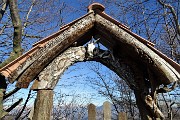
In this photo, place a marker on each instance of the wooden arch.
(48, 58)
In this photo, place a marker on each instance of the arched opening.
(91, 82)
(75, 54)
(131, 57)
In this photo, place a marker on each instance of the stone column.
(91, 112)
(43, 105)
(122, 116)
(107, 110)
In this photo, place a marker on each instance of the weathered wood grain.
(165, 70)
(55, 46)
(23, 62)
(48, 78)
(43, 105)
(122, 116)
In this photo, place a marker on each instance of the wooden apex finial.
(95, 6)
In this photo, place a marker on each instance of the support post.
(43, 105)
(2, 112)
(122, 116)
(144, 112)
(91, 112)
(3, 87)
(107, 110)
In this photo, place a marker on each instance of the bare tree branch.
(14, 105)
(28, 14)
(173, 14)
(27, 99)
(10, 93)
(17, 38)
(4, 4)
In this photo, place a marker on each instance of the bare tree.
(158, 24)
(34, 22)
(20, 28)
(70, 106)
(22, 24)
(111, 86)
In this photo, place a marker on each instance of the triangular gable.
(27, 67)
(113, 34)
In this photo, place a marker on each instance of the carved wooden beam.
(138, 51)
(13, 70)
(17, 67)
(55, 47)
(127, 69)
(48, 78)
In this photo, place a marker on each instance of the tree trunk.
(17, 49)
(43, 105)
(17, 36)
(145, 114)
(4, 4)
(3, 87)
(2, 112)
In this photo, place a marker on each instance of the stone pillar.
(43, 105)
(122, 116)
(91, 112)
(107, 110)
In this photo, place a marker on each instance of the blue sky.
(74, 85)
(75, 80)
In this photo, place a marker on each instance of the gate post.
(107, 110)
(91, 112)
(122, 116)
(43, 105)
